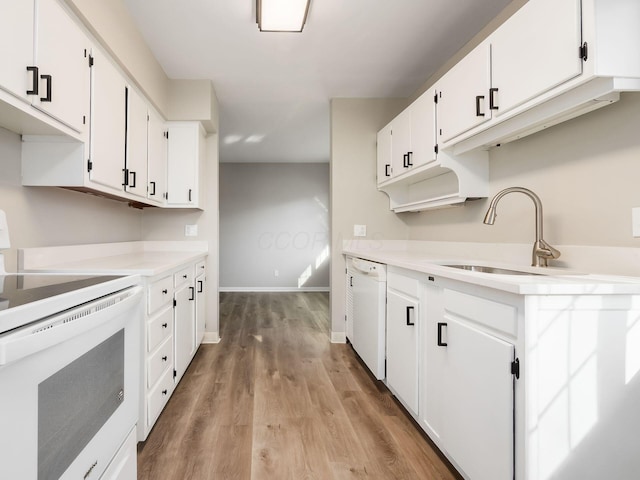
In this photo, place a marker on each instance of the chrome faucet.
(542, 251)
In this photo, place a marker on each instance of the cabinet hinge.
(345, 318)
(175, 374)
(515, 368)
(90, 60)
(435, 98)
(584, 51)
(435, 148)
(84, 119)
(175, 303)
(89, 165)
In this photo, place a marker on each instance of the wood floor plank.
(276, 400)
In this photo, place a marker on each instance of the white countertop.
(142, 258)
(549, 281)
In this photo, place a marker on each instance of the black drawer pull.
(440, 342)
(409, 322)
(165, 325)
(165, 291)
(478, 112)
(492, 100)
(47, 97)
(164, 359)
(35, 83)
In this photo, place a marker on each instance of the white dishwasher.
(368, 289)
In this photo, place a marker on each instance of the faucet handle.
(544, 250)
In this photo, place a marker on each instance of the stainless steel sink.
(487, 269)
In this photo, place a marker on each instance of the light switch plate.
(191, 230)
(635, 221)
(359, 230)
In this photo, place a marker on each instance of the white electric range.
(69, 368)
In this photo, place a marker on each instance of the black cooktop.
(21, 289)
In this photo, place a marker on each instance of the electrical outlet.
(359, 230)
(191, 230)
(635, 221)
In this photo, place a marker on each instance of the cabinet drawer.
(159, 362)
(407, 283)
(159, 396)
(159, 328)
(499, 316)
(183, 276)
(201, 268)
(160, 293)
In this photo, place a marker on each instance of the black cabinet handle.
(193, 293)
(189, 194)
(409, 322)
(478, 112)
(200, 286)
(165, 291)
(153, 191)
(405, 160)
(387, 167)
(164, 359)
(34, 80)
(165, 325)
(133, 181)
(409, 157)
(47, 97)
(440, 342)
(492, 100)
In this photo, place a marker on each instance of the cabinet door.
(403, 314)
(184, 329)
(157, 158)
(201, 298)
(108, 113)
(535, 51)
(16, 46)
(478, 408)
(183, 157)
(136, 144)
(463, 92)
(401, 143)
(423, 130)
(384, 154)
(349, 303)
(62, 56)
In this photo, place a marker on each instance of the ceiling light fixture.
(281, 15)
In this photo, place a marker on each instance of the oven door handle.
(59, 328)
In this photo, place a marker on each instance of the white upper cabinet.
(136, 156)
(463, 94)
(423, 130)
(401, 143)
(62, 58)
(384, 154)
(16, 46)
(185, 153)
(157, 158)
(537, 49)
(108, 111)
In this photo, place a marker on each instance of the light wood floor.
(276, 400)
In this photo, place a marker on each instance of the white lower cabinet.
(402, 341)
(124, 465)
(172, 337)
(201, 299)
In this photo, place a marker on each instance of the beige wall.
(49, 216)
(586, 171)
(354, 197)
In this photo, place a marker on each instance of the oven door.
(69, 388)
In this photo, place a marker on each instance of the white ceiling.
(275, 88)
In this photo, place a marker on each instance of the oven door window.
(75, 402)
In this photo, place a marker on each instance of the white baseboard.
(211, 337)
(338, 337)
(273, 289)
